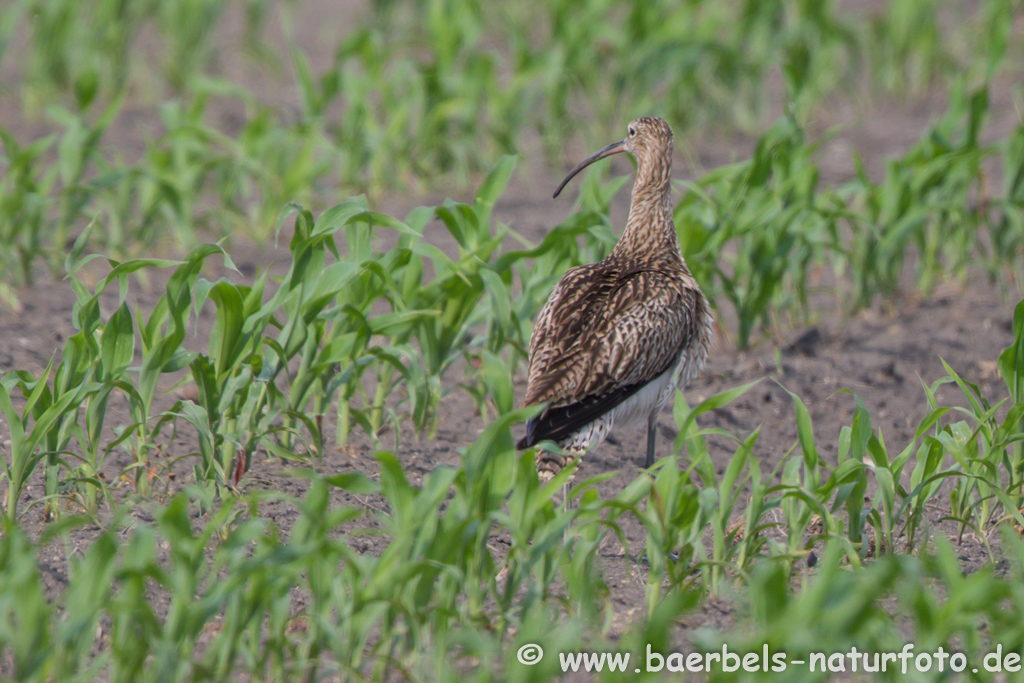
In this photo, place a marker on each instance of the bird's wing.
(604, 334)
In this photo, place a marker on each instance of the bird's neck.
(650, 231)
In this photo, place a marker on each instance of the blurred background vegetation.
(204, 117)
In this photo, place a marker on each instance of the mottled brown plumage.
(615, 337)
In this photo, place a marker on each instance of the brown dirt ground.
(879, 354)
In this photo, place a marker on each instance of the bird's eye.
(632, 132)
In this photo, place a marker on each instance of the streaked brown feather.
(604, 340)
(579, 349)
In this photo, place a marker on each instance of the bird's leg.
(571, 458)
(550, 464)
(565, 507)
(652, 429)
(565, 511)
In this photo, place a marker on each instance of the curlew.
(616, 337)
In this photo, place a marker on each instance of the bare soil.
(882, 354)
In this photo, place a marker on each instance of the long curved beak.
(611, 149)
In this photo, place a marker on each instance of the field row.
(310, 343)
(754, 232)
(421, 91)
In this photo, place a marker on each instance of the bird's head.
(646, 138)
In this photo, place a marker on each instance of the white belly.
(650, 399)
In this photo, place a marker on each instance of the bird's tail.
(550, 464)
